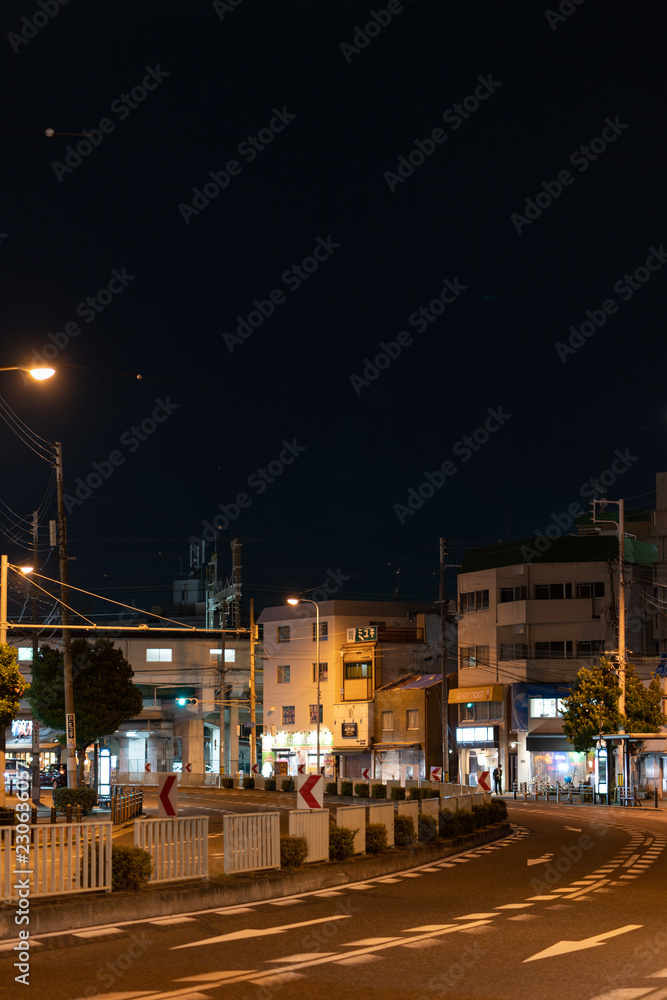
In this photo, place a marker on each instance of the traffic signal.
(187, 701)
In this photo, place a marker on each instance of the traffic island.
(76, 912)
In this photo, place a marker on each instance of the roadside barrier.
(126, 803)
(251, 842)
(354, 817)
(178, 847)
(383, 812)
(63, 858)
(313, 824)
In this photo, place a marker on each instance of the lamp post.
(306, 600)
(39, 374)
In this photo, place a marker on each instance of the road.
(571, 906)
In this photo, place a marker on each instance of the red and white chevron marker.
(301, 769)
(483, 781)
(436, 774)
(167, 794)
(147, 767)
(188, 768)
(309, 791)
(255, 768)
(366, 773)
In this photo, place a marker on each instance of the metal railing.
(63, 858)
(251, 842)
(313, 824)
(178, 847)
(126, 803)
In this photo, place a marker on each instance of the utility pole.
(221, 682)
(35, 651)
(253, 700)
(443, 663)
(70, 722)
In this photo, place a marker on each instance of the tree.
(104, 695)
(12, 689)
(592, 707)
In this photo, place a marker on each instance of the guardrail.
(313, 824)
(126, 803)
(178, 847)
(251, 842)
(354, 817)
(63, 858)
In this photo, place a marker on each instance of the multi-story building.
(533, 613)
(408, 727)
(363, 646)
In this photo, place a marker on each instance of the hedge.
(397, 793)
(270, 785)
(376, 838)
(361, 790)
(331, 788)
(466, 820)
(227, 782)
(404, 831)
(288, 785)
(249, 782)
(378, 791)
(341, 842)
(346, 788)
(131, 868)
(428, 828)
(84, 797)
(293, 851)
(448, 823)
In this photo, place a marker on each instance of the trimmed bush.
(361, 790)
(482, 815)
(448, 823)
(227, 782)
(346, 788)
(415, 794)
(378, 791)
(130, 868)
(293, 851)
(270, 785)
(288, 785)
(376, 838)
(498, 811)
(84, 797)
(397, 793)
(331, 788)
(249, 782)
(428, 828)
(466, 821)
(341, 842)
(404, 831)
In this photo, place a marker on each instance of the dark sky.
(361, 153)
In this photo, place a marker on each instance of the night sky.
(269, 193)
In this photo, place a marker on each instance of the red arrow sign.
(366, 773)
(255, 768)
(436, 774)
(301, 769)
(167, 795)
(310, 791)
(188, 768)
(483, 781)
(147, 767)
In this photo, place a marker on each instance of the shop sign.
(21, 729)
(348, 730)
(368, 634)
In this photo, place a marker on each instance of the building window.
(387, 722)
(508, 594)
(553, 650)
(412, 718)
(589, 647)
(283, 633)
(312, 712)
(324, 673)
(513, 651)
(25, 653)
(475, 600)
(260, 632)
(552, 591)
(288, 715)
(474, 656)
(158, 656)
(282, 675)
(324, 631)
(546, 708)
(467, 713)
(215, 655)
(590, 590)
(357, 671)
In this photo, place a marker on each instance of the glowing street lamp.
(306, 600)
(40, 374)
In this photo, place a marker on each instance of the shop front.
(481, 735)
(285, 752)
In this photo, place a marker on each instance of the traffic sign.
(436, 774)
(366, 773)
(147, 767)
(255, 768)
(309, 791)
(301, 769)
(188, 768)
(483, 781)
(71, 730)
(167, 794)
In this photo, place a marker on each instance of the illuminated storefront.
(284, 752)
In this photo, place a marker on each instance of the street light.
(40, 374)
(306, 600)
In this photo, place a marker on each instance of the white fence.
(313, 824)
(430, 807)
(409, 809)
(383, 813)
(251, 842)
(62, 858)
(464, 802)
(178, 847)
(354, 817)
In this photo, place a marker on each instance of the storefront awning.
(485, 692)
(547, 743)
(385, 747)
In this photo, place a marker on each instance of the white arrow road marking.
(250, 932)
(564, 947)
(539, 861)
(575, 829)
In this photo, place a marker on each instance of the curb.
(85, 910)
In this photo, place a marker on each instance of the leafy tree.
(104, 695)
(592, 706)
(12, 689)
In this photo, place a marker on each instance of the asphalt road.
(571, 906)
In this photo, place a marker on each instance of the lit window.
(230, 655)
(324, 631)
(25, 653)
(283, 675)
(158, 656)
(412, 718)
(387, 721)
(288, 715)
(324, 673)
(356, 671)
(312, 713)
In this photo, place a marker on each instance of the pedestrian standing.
(496, 780)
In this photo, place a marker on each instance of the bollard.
(78, 813)
(68, 812)
(54, 815)
(655, 797)
(33, 815)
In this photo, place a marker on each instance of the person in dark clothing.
(497, 780)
